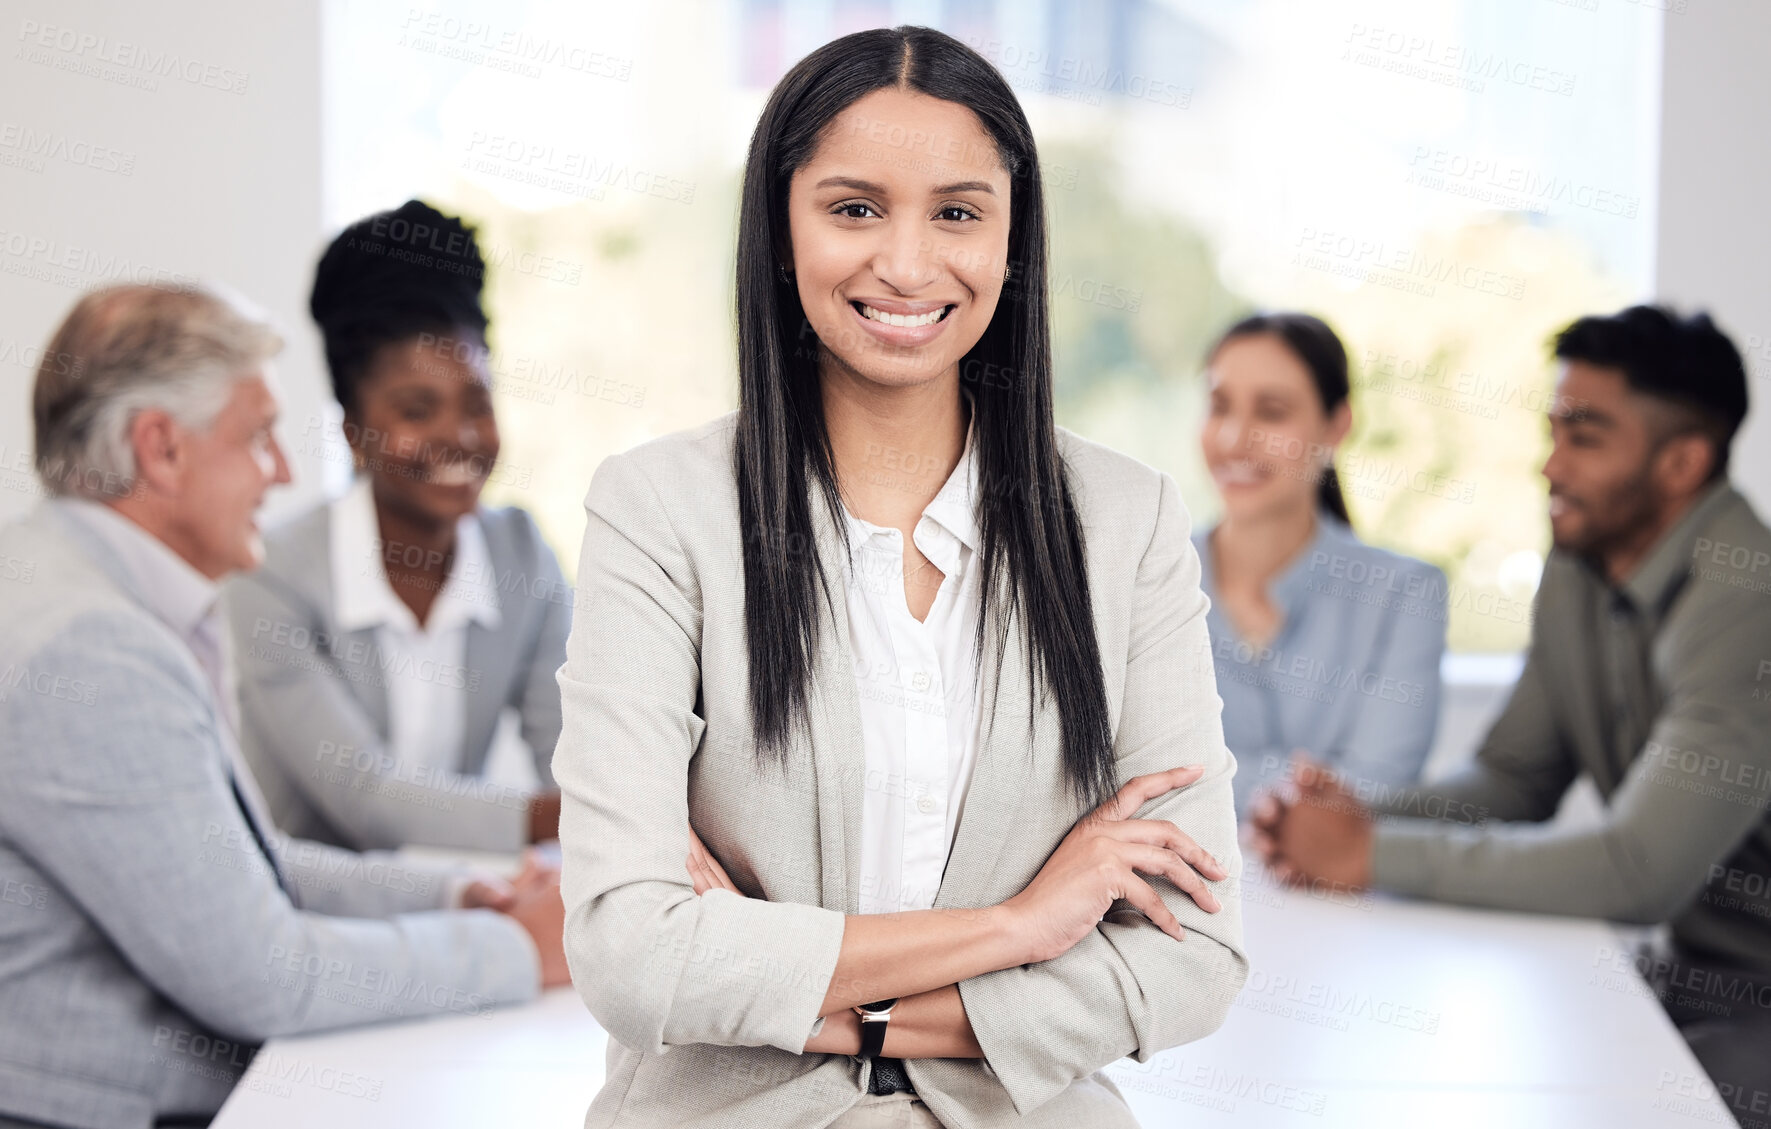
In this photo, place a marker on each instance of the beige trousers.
(887, 1111)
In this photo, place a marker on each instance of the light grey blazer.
(709, 1000)
(313, 699)
(146, 947)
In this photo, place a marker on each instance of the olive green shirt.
(1660, 690)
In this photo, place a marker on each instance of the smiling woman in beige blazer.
(928, 675)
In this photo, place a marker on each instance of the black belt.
(889, 1077)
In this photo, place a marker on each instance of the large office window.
(1446, 182)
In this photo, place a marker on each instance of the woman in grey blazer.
(1322, 643)
(388, 630)
(853, 663)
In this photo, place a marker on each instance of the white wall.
(192, 179)
(1714, 241)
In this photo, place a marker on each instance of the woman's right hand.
(1094, 866)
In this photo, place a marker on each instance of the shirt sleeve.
(1673, 816)
(334, 880)
(1128, 988)
(656, 964)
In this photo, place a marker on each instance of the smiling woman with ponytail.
(1323, 643)
(893, 786)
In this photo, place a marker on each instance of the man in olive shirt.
(1649, 670)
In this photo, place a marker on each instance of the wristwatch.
(874, 1018)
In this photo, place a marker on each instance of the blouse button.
(925, 805)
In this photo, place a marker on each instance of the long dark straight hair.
(1032, 547)
(1311, 341)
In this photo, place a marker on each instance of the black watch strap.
(873, 1031)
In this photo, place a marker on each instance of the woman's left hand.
(705, 870)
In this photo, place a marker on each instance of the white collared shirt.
(917, 693)
(423, 666)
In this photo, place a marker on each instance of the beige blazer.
(709, 1000)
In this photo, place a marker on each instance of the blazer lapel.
(839, 762)
(489, 662)
(1000, 773)
(370, 688)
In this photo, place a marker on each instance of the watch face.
(879, 1008)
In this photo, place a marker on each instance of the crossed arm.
(710, 967)
(930, 1024)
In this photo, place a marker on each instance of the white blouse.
(423, 666)
(919, 708)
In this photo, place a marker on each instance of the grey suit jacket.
(146, 946)
(313, 698)
(710, 1000)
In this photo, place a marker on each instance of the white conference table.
(1358, 1012)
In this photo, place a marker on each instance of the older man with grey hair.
(153, 927)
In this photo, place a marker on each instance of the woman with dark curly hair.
(388, 630)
